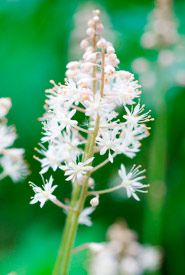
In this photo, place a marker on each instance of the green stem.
(74, 223)
(63, 244)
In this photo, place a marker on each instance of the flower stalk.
(94, 84)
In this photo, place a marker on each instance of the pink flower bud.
(96, 19)
(87, 66)
(84, 44)
(90, 23)
(91, 57)
(96, 12)
(90, 31)
(124, 74)
(110, 50)
(102, 43)
(95, 201)
(72, 65)
(99, 27)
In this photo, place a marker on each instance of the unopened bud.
(99, 27)
(124, 74)
(72, 65)
(102, 43)
(91, 23)
(91, 57)
(110, 50)
(86, 67)
(90, 31)
(96, 18)
(96, 12)
(84, 44)
(95, 201)
(112, 57)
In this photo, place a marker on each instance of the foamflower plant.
(111, 123)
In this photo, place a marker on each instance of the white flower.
(131, 181)
(109, 141)
(64, 118)
(84, 216)
(52, 158)
(150, 258)
(16, 169)
(133, 117)
(97, 106)
(76, 94)
(52, 131)
(15, 154)
(125, 90)
(42, 195)
(130, 266)
(76, 171)
(105, 262)
(5, 105)
(7, 135)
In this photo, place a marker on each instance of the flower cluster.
(123, 254)
(161, 29)
(161, 33)
(97, 111)
(11, 159)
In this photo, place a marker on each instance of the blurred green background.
(34, 48)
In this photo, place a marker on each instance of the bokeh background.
(37, 40)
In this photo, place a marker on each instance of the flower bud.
(72, 65)
(86, 67)
(124, 74)
(110, 50)
(99, 27)
(102, 43)
(90, 31)
(91, 23)
(95, 201)
(96, 19)
(84, 44)
(96, 12)
(91, 57)
(112, 57)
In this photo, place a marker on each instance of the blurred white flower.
(84, 216)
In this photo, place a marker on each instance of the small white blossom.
(16, 169)
(131, 181)
(84, 216)
(5, 105)
(64, 118)
(7, 135)
(52, 158)
(76, 171)
(42, 195)
(133, 117)
(108, 141)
